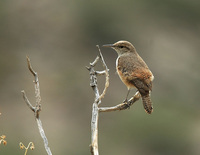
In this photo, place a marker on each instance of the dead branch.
(37, 107)
(106, 70)
(98, 97)
(95, 111)
(122, 106)
(97, 101)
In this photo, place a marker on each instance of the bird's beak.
(108, 45)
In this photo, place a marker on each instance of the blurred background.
(60, 37)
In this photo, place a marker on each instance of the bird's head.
(121, 47)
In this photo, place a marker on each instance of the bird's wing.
(136, 74)
(142, 85)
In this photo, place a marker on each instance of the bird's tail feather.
(147, 103)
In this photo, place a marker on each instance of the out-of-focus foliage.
(60, 38)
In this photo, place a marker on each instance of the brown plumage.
(133, 71)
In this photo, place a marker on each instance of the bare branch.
(30, 67)
(27, 101)
(106, 73)
(94, 129)
(97, 101)
(122, 106)
(42, 134)
(95, 112)
(94, 62)
(37, 107)
(98, 73)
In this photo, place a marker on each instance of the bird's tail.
(147, 103)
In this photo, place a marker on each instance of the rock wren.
(133, 71)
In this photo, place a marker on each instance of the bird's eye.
(121, 46)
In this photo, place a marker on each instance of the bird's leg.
(126, 101)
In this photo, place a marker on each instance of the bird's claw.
(126, 104)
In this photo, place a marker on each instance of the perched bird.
(133, 71)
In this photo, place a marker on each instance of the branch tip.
(88, 68)
(37, 107)
(29, 66)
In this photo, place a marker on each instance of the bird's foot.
(126, 104)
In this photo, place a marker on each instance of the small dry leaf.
(4, 142)
(3, 136)
(32, 146)
(21, 145)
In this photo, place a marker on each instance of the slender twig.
(98, 73)
(37, 107)
(106, 74)
(27, 101)
(37, 88)
(122, 106)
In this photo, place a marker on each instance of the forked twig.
(97, 101)
(37, 107)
